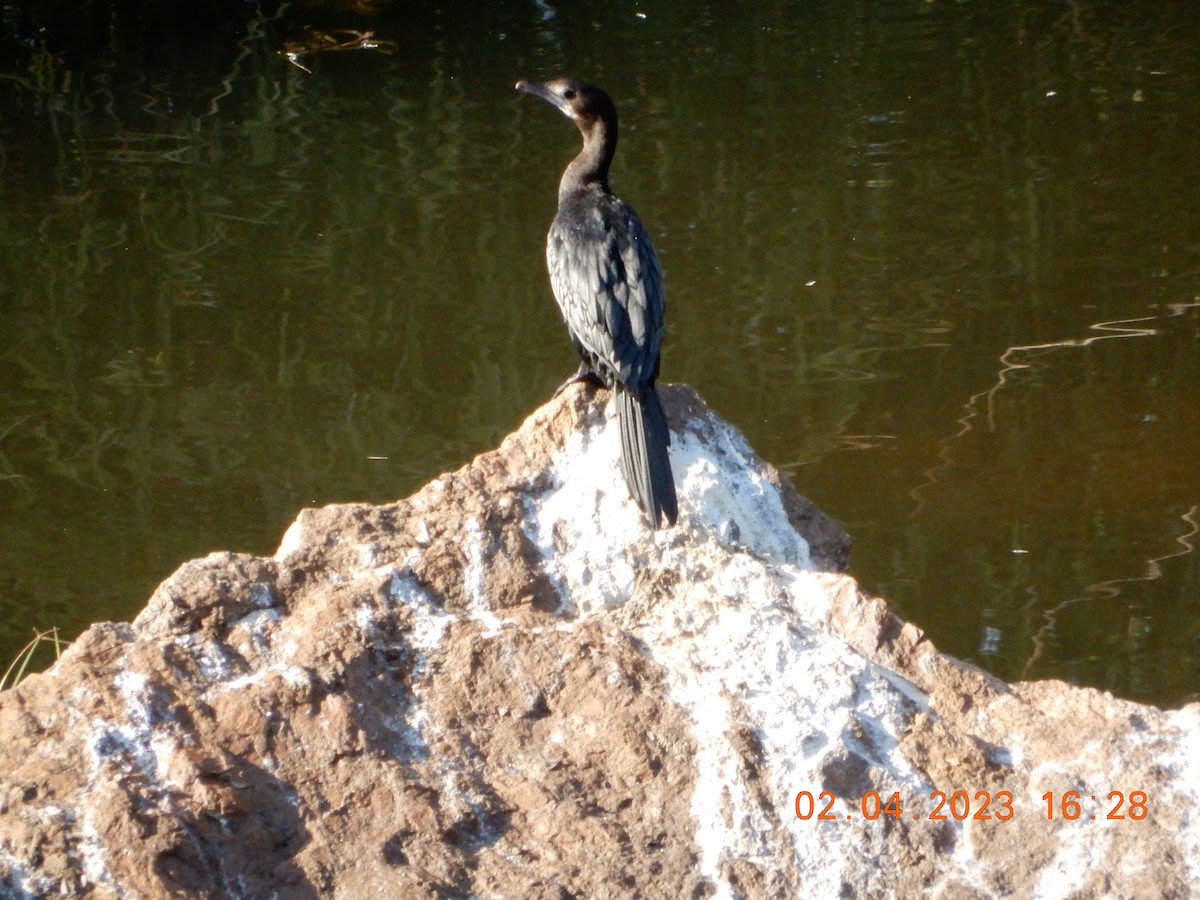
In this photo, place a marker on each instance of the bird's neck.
(589, 169)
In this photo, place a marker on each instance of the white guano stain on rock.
(745, 635)
(430, 623)
(293, 539)
(1184, 762)
(731, 499)
(475, 578)
(586, 479)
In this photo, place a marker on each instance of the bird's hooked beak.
(541, 90)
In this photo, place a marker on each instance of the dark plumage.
(608, 284)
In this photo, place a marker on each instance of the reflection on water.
(939, 261)
(1067, 450)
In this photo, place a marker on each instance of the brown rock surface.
(507, 686)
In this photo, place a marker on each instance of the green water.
(940, 261)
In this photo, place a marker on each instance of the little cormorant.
(608, 284)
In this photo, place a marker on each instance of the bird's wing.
(608, 283)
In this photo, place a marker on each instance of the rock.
(507, 686)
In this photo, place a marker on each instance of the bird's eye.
(569, 94)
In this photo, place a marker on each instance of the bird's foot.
(584, 373)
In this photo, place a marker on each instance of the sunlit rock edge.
(507, 685)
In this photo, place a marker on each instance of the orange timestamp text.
(978, 806)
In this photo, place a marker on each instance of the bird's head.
(585, 104)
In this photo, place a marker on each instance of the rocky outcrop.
(507, 686)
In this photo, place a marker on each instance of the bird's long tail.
(644, 460)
